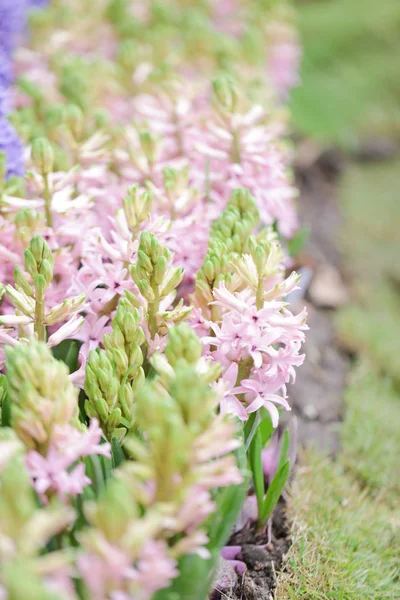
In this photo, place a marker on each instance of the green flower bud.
(226, 93)
(30, 263)
(208, 269)
(21, 301)
(132, 299)
(121, 360)
(90, 410)
(129, 327)
(114, 419)
(39, 384)
(174, 279)
(146, 290)
(38, 248)
(144, 261)
(145, 242)
(170, 178)
(74, 119)
(46, 269)
(101, 408)
(126, 401)
(182, 344)
(139, 380)
(43, 156)
(160, 270)
(21, 282)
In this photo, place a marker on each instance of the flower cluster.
(146, 344)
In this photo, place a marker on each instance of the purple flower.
(11, 145)
(5, 72)
(12, 23)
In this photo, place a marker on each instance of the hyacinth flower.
(239, 141)
(25, 572)
(147, 254)
(180, 453)
(44, 415)
(114, 374)
(28, 297)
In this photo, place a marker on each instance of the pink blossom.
(56, 472)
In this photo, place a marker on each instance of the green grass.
(351, 86)
(371, 244)
(345, 544)
(370, 434)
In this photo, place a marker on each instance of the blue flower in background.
(12, 146)
(12, 23)
(38, 3)
(5, 69)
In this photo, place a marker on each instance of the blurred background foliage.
(350, 70)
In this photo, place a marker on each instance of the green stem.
(236, 148)
(39, 327)
(260, 294)
(153, 310)
(47, 201)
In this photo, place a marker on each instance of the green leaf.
(257, 469)
(266, 428)
(229, 502)
(95, 472)
(250, 428)
(285, 449)
(118, 456)
(274, 492)
(194, 580)
(5, 405)
(68, 351)
(107, 465)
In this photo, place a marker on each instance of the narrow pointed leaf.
(274, 492)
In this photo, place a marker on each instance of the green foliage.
(350, 84)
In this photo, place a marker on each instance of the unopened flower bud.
(21, 282)
(120, 359)
(46, 269)
(160, 270)
(114, 419)
(175, 277)
(43, 156)
(208, 269)
(30, 263)
(101, 408)
(144, 261)
(226, 93)
(21, 301)
(74, 120)
(146, 290)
